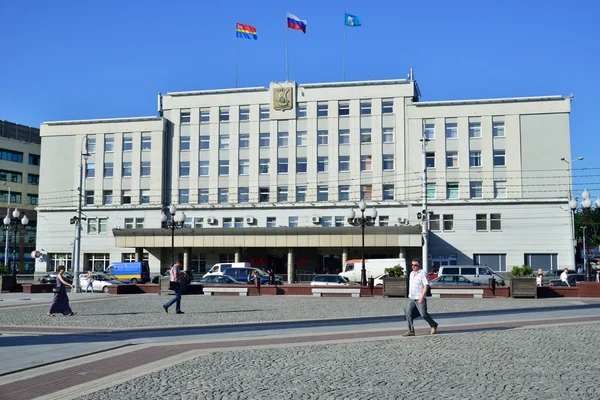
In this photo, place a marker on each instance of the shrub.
(3, 269)
(395, 272)
(521, 271)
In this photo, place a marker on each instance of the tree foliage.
(593, 227)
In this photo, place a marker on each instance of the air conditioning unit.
(316, 219)
(211, 220)
(249, 220)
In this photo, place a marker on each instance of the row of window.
(387, 107)
(483, 222)
(451, 128)
(475, 190)
(17, 156)
(127, 144)
(17, 177)
(499, 159)
(16, 197)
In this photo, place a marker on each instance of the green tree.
(593, 227)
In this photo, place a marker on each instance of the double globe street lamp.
(15, 225)
(175, 222)
(362, 221)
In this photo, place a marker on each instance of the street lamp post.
(586, 205)
(175, 222)
(15, 225)
(362, 221)
(77, 220)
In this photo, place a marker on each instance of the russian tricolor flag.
(296, 23)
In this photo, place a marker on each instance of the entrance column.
(291, 269)
(237, 255)
(139, 254)
(187, 258)
(402, 253)
(344, 258)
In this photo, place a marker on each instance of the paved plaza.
(297, 347)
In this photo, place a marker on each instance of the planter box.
(523, 287)
(7, 283)
(394, 287)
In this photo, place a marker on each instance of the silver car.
(453, 280)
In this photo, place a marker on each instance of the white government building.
(269, 175)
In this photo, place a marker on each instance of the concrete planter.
(394, 287)
(7, 283)
(523, 287)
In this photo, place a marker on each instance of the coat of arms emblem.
(282, 98)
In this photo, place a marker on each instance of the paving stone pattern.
(557, 362)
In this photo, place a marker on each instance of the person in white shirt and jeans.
(564, 277)
(417, 301)
(175, 285)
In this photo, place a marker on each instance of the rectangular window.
(344, 164)
(271, 222)
(282, 165)
(434, 222)
(102, 226)
(452, 159)
(283, 139)
(498, 128)
(300, 193)
(387, 135)
(343, 108)
(365, 135)
(15, 197)
(322, 164)
(388, 192)
(264, 112)
(500, 190)
(293, 222)
(146, 143)
(32, 199)
(243, 195)
(139, 223)
(184, 196)
(481, 222)
(326, 221)
(227, 223)
(322, 110)
(263, 166)
(91, 145)
(344, 193)
(495, 262)
(495, 222)
(90, 170)
(12, 176)
(127, 169)
(223, 167)
(476, 189)
(204, 142)
(184, 143)
(202, 196)
(451, 130)
(429, 131)
(344, 136)
(185, 117)
(322, 193)
(223, 114)
(108, 170)
(109, 144)
(365, 163)
(475, 159)
(430, 191)
(107, 197)
(204, 115)
(448, 222)
(322, 137)
(145, 168)
(475, 130)
(387, 106)
(301, 111)
(223, 142)
(452, 190)
(366, 192)
(238, 222)
(34, 159)
(92, 226)
(499, 158)
(244, 167)
(301, 138)
(264, 139)
(282, 194)
(244, 140)
(145, 196)
(223, 195)
(9, 155)
(126, 197)
(184, 168)
(263, 195)
(203, 168)
(384, 220)
(33, 179)
(127, 143)
(365, 108)
(388, 162)
(301, 165)
(89, 197)
(244, 113)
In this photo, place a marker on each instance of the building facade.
(269, 175)
(19, 180)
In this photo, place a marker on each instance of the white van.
(220, 267)
(373, 266)
(475, 273)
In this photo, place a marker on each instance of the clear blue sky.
(76, 59)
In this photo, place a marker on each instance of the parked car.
(453, 280)
(216, 279)
(243, 274)
(572, 279)
(332, 280)
(101, 282)
(433, 273)
(378, 281)
(476, 273)
(51, 277)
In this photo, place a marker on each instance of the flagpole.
(287, 62)
(345, 28)
(236, 61)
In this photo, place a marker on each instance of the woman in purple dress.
(60, 302)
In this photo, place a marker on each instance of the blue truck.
(132, 272)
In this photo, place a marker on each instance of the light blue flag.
(351, 20)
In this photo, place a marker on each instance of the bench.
(319, 291)
(475, 293)
(241, 291)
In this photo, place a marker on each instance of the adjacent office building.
(269, 175)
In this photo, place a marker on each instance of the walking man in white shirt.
(175, 285)
(417, 300)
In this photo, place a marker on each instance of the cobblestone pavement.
(556, 362)
(110, 312)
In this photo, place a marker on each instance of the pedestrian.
(60, 302)
(539, 278)
(175, 285)
(256, 278)
(417, 302)
(271, 277)
(564, 277)
(598, 275)
(90, 281)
